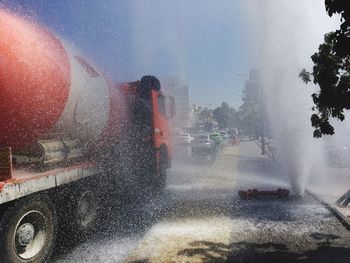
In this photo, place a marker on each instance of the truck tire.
(83, 212)
(28, 230)
(160, 181)
(87, 211)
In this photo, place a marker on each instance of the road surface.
(200, 218)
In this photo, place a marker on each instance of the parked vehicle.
(183, 139)
(225, 136)
(66, 133)
(216, 137)
(202, 146)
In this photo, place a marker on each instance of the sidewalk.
(328, 187)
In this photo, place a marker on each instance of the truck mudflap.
(24, 183)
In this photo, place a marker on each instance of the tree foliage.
(225, 116)
(205, 116)
(251, 119)
(331, 72)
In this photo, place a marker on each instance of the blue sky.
(204, 42)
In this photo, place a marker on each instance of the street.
(175, 131)
(200, 218)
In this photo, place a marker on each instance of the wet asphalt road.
(200, 218)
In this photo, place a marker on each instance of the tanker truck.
(69, 137)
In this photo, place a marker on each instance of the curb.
(342, 214)
(338, 212)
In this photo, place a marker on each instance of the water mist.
(286, 34)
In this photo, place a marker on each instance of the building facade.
(179, 90)
(252, 89)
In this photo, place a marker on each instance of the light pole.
(263, 145)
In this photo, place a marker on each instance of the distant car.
(183, 138)
(202, 144)
(216, 137)
(224, 135)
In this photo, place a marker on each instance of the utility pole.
(263, 143)
(263, 146)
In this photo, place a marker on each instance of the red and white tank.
(48, 89)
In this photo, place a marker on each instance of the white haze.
(286, 33)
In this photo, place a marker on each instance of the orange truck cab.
(149, 111)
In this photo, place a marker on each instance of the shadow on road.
(122, 221)
(264, 252)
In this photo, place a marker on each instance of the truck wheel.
(85, 210)
(162, 173)
(28, 230)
